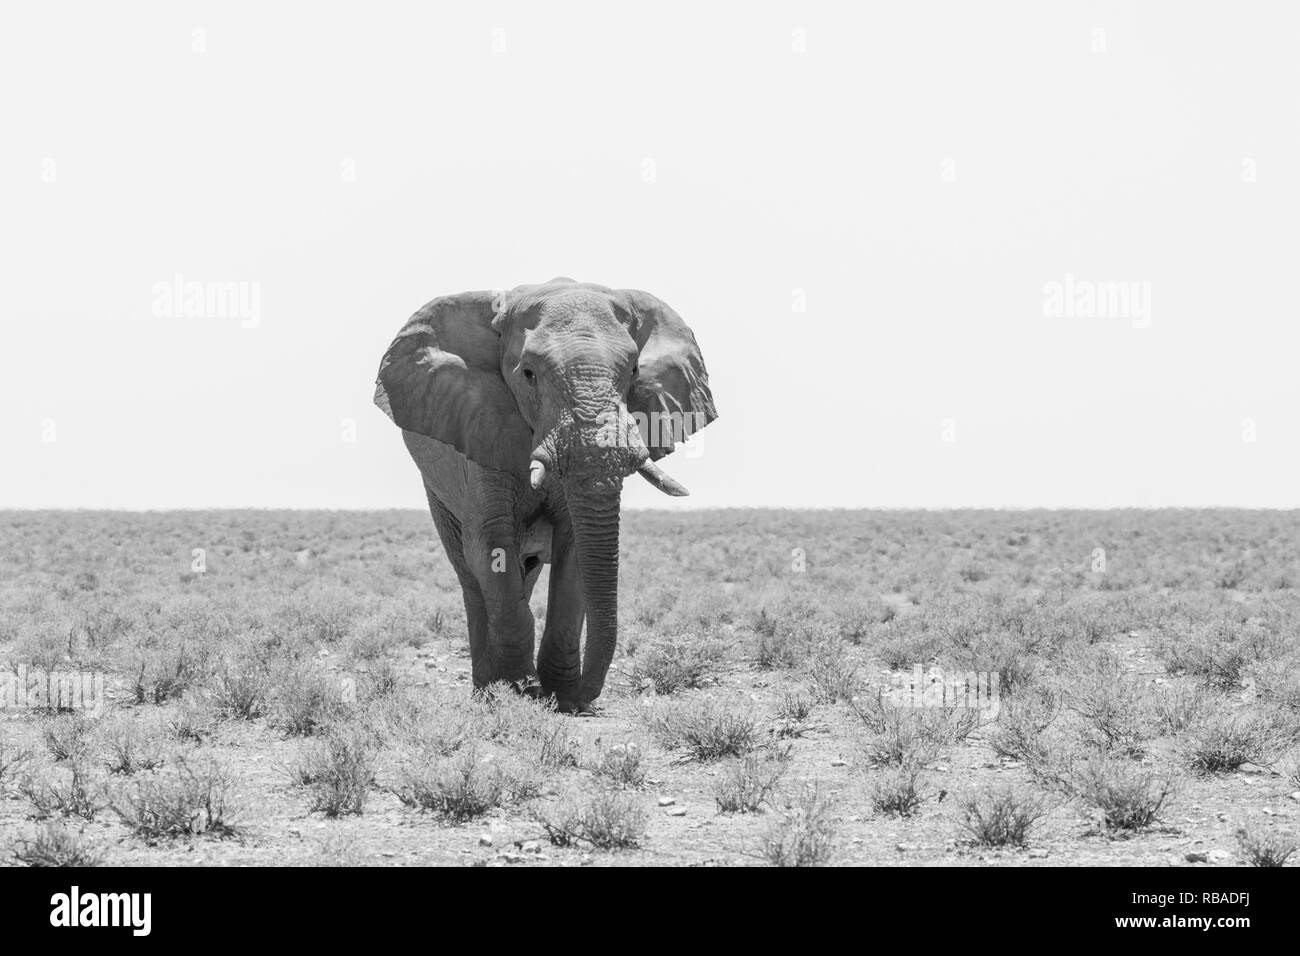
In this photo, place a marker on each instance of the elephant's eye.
(634, 370)
(528, 374)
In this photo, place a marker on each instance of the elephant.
(524, 411)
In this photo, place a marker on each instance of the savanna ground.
(305, 697)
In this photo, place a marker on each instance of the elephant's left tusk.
(536, 472)
(669, 486)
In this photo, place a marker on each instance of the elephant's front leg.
(559, 662)
(493, 553)
(453, 543)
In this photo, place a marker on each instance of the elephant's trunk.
(595, 518)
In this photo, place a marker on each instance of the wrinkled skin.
(524, 411)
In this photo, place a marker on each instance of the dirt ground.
(1136, 652)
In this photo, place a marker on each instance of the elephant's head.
(565, 383)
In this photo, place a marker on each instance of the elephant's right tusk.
(669, 486)
(536, 472)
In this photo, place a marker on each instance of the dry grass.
(1169, 677)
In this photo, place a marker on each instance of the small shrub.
(308, 701)
(381, 678)
(608, 820)
(1278, 682)
(832, 676)
(1126, 795)
(55, 845)
(1226, 741)
(898, 791)
(462, 787)
(1024, 732)
(12, 761)
(803, 832)
(194, 721)
(1001, 817)
(621, 766)
(242, 690)
(899, 735)
(672, 666)
(191, 797)
(69, 737)
(795, 706)
(68, 791)
(1265, 849)
(339, 771)
(1113, 706)
(166, 672)
(709, 730)
(441, 730)
(1180, 706)
(131, 750)
(747, 785)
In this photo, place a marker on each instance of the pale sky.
(859, 209)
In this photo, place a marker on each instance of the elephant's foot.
(576, 707)
(528, 686)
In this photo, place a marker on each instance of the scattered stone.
(1296, 795)
(531, 846)
(1038, 853)
(667, 801)
(839, 763)
(1218, 856)
(906, 847)
(1196, 857)
(512, 856)
(388, 853)
(485, 840)
(677, 812)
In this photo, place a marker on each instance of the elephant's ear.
(441, 378)
(671, 379)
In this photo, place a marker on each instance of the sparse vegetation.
(608, 820)
(55, 845)
(132, 749)
(333, 646)
(461, 787)
(339, 771)
(620, 765)
(671, 666)
(1000, 817)
(1266, 847)
(1124, 795)
(899, 790)
(802, 832)
(747, 784)
(193, 796)
(1224, 741)
(708, 730)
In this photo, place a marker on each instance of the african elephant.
(524, 411)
